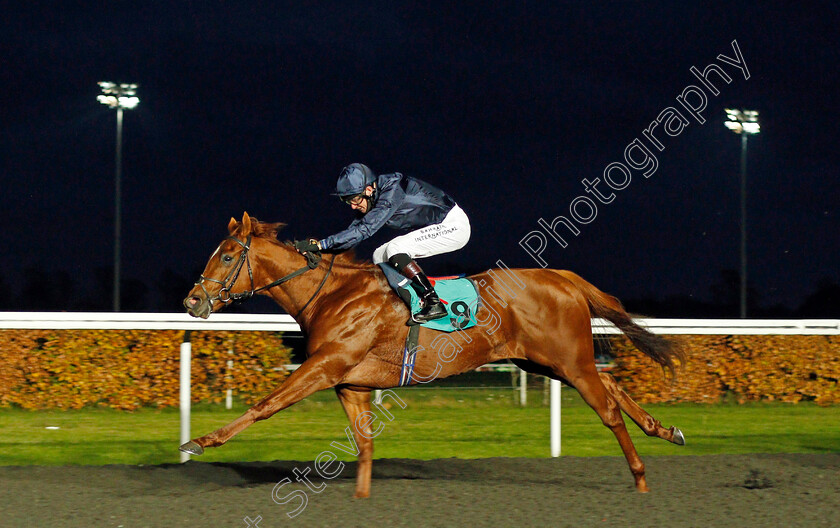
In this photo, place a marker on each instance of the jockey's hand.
(305, 246)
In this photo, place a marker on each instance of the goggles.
(353, 199)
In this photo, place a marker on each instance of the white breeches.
(451, 234)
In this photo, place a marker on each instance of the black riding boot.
(432, 306)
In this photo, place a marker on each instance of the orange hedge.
(127, 369)
(747, 368)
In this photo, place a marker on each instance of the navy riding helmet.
(352, 182)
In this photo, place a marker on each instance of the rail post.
(186, 354)
(555, 417)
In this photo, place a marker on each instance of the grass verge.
(435, 423)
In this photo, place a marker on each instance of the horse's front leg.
(356, 403)
(319, 372)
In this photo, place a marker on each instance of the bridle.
(225, 295)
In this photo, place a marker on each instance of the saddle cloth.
(459, 296)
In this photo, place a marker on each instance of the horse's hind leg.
(356, 403)
(646, 422)
(589, 385)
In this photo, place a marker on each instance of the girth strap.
(409, 356)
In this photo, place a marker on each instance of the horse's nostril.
(191, 302)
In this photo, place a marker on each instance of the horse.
(356, 334)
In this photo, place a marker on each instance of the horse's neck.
(311, 290)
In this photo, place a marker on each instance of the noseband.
(225, 295)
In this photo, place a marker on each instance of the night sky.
(256, 106)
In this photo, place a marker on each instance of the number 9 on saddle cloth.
(459, 296)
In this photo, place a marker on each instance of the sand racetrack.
(702, 491)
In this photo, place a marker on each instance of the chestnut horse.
(356, 333)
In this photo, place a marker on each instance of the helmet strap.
(372, 198)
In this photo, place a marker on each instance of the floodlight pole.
(118, 97)
(118, 209)
(743, 122)
(744, 226)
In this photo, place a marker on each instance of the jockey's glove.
(305, 246)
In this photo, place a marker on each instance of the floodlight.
(119, 97)
(745, 123)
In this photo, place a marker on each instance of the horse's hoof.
(192, 448)
(678, 439)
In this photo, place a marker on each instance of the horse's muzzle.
(197, 306)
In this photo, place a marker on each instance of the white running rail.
(285, 323)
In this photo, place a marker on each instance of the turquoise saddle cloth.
(460, 296)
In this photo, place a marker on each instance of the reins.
(225, 296)
(318, 289)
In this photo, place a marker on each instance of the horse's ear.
(246, 224)
(232, 225)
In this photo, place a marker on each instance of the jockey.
(435, 225)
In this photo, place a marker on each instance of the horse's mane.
(345, 259)
(348, 259)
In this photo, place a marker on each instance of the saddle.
(460, 297)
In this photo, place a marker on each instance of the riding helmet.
(353, 180)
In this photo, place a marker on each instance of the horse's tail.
(601, 304)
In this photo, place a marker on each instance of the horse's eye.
(227, 259)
